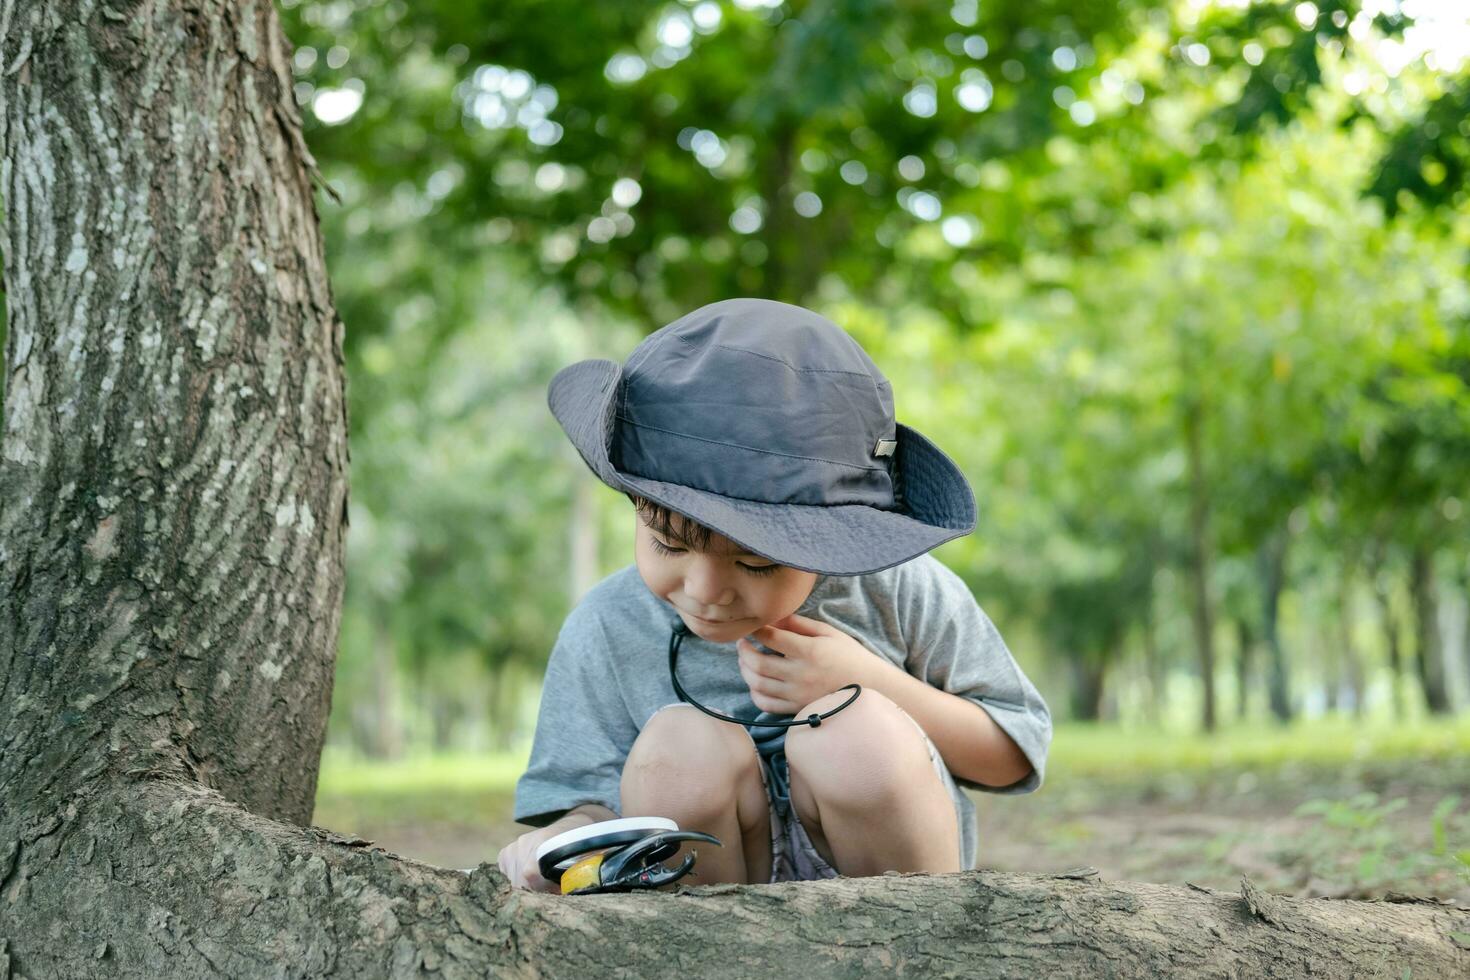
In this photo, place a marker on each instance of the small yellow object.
(584, 874)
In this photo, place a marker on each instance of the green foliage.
(1357, 841)
(458, 549)
(1071, 233)
(1362, 826)
(1113, 752)
(770, 145)
(1429, 157)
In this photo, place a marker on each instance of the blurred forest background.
(1181, 286)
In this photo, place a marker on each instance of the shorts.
(793, 856)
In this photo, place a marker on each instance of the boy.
(779, 503)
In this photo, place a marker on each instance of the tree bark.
(1086, 689)
(779, 271)
(1463, 579)
(1330, 662)
(1200, 557)
(1271, 559)
(175, 459)
(172, 506)
(1383, 593)
(1352, 658)
(1428, 644)
(165, 880)
(1153, 664)
(444, 717)
(387, 731)
(1244, 644)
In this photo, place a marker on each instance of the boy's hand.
(518, 860)
(816, 659)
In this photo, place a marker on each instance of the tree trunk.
(1245, 642)
(1351, 658)
(1331, 664)
(173, 482)
(1382, 592)
(1086, 690)
(1428, 645)
(1271, 559)
(1464, 582)
(174, 470)
(167, 880)
(1153, 665)
(584, 535)
(779, 279)
(504, 705)
(387, 735)
(1199, 558)
(444, 717)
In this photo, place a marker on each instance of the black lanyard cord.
(813, 719)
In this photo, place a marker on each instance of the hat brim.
(937, 504)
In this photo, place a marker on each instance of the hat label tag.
(885, 447)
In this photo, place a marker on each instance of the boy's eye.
(664, 549)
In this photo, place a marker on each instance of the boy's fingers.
(787, 641)
(755, 681)
(766, 702)
(772, 691)
(803, 632)
(803, 625)
(758, 663)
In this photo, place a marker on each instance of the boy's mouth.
(714, 622)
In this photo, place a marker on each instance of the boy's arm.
(583, 731)
(578, 816)
(996, 738)
(588, 813)
(973, 746)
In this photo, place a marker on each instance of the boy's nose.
(707, 588)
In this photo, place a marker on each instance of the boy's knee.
(683, 760)
(864, 754)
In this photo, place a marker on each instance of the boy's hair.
(659, 518)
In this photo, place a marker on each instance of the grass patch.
(345, 775)
(1106, 751)
(355, 794)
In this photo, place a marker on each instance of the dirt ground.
(1371, 831)
(1359, 832)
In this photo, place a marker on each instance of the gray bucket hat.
(770, 425)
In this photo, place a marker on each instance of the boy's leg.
(703, 774)
(866, 791)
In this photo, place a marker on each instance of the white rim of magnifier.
(651, 825)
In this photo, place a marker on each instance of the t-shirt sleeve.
(955, 647)
(584, 730)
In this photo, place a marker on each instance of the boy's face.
(742, 591)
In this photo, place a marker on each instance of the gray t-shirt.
(608, 673)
